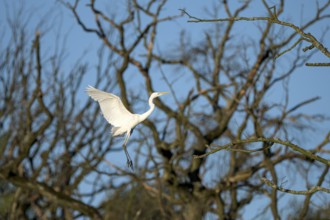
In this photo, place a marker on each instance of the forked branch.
(296, 192)
(308, 37)
(270, 142)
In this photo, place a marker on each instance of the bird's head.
(157, 94)
(160, 93)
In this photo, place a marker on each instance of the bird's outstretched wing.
(112, 107)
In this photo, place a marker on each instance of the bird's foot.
(130, 164)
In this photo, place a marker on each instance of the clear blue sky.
(306, 83)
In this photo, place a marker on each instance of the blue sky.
(307, 82)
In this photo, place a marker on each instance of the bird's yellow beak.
(163, 93)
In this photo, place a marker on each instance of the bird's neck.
(147, 113)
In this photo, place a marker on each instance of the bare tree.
(50, 141)
(214, 149)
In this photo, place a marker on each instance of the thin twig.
(296, 192)
(318, 64)
(294, 147)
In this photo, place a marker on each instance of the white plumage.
(118, 116)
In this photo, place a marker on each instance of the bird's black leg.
(129, 160)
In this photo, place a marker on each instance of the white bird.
(118, 116)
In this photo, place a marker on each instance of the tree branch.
(50, 193)
(296, 192)
(270, 141)
(273, 19)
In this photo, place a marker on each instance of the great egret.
(118, 116)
